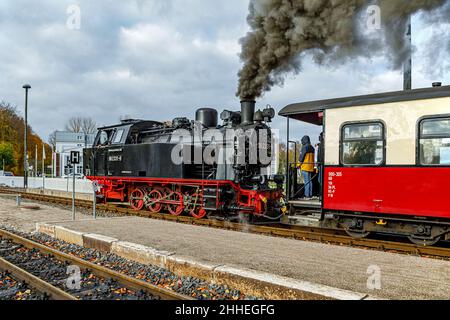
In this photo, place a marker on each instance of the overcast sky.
(160, 59)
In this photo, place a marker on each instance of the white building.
(65, 142)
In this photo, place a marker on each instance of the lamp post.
(25, 146)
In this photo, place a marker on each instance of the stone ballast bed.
(249, 283)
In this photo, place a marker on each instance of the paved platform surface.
(26, 219)
(402, 277)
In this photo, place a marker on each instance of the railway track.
(59, 276)
(294, 232)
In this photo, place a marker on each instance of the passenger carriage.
(386, 164)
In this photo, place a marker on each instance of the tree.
(7, 155)
(84, 125)
(88, 126)
(52, 139)
(12, 134)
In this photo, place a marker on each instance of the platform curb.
(45, 228)
(98, 242)
(69, 236)
(250, 282)
(183, 266)
(140, 253)
(271, 286)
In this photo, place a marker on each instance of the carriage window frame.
(421, 136)
(343, 140)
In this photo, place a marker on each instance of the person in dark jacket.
(307, 155)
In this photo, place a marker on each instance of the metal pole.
(68, 176)
(288, 184)
(407, 66)
(94, 213)
(73, 195)
(43, 167)
(53, 162)
(25, 142)
(35, 162)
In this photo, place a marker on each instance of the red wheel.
(153, 201)
(174, 201)
(137, 199)
(198, 213)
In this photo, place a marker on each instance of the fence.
(82, 186)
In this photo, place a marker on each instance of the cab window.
(103, 138)
(435, 142)
(118, 136)
(363, 144)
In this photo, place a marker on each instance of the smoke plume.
(282, 31)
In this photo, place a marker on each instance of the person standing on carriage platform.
(307, 165)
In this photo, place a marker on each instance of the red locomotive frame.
(181, 195)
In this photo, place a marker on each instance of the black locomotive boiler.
(196, 167)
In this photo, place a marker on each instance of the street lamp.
(25, 147)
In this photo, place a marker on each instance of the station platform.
(339, 269)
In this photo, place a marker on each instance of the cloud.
(153, 60)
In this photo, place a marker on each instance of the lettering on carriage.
(332, 176)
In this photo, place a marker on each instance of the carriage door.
(363, 153)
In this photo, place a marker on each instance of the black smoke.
(331, 30)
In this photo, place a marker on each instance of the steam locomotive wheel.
(153, 201)
(198, 213)
(174, 202)
(137, 199)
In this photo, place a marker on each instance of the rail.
(330, 236)
(99, 271)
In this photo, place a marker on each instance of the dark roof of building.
(387, 97)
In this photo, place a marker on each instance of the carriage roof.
(380, 98)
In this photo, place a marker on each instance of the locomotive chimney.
(247, 111)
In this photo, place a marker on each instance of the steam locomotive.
(196, 167)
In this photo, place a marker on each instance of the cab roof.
(132, 123)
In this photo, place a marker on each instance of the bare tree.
(88, 126)
(52, 139)
(74, 124)
(81, 125)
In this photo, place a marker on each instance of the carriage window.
(118, 136)
(363, 144)
(435, 142)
